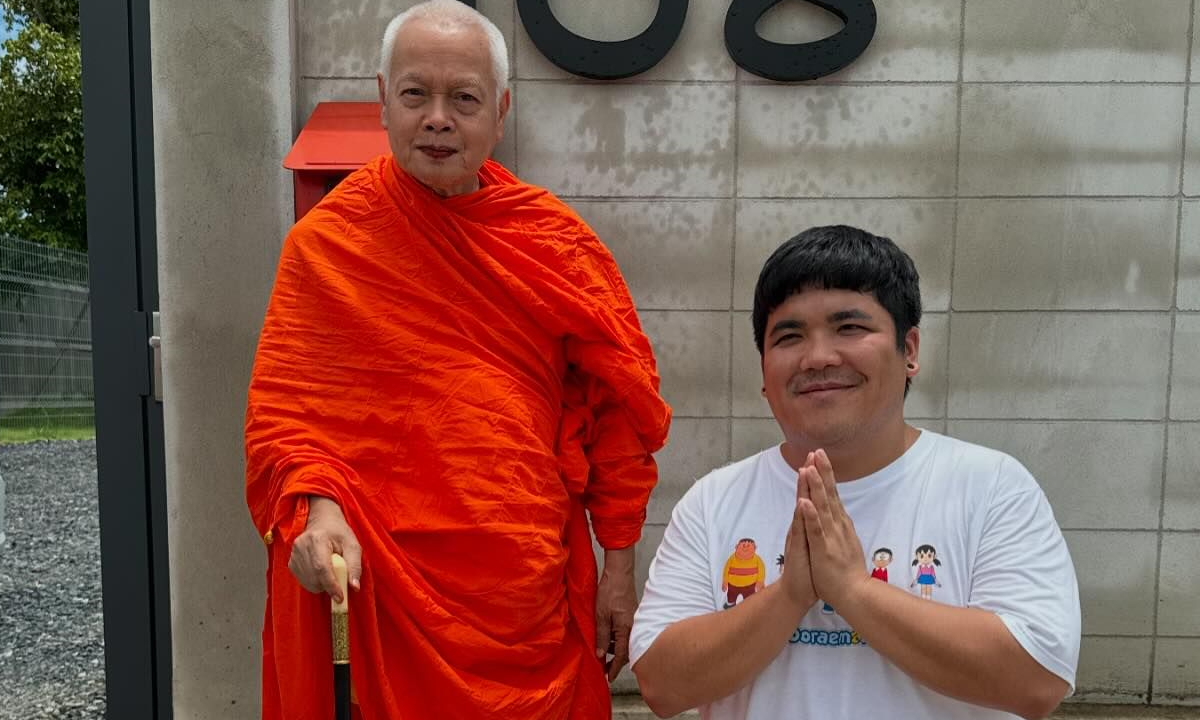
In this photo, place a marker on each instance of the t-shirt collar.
(886, 475)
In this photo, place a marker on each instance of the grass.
(47, 424)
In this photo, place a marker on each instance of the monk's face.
(440, 105)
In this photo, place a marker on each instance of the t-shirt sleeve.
(1023, 573)
(679, 585)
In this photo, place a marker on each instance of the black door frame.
(122, 254)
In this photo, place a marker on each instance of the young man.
(450, 382)
(835, 318)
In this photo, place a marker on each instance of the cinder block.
(1188, 288)
(1088, 41)
(1113, 670)
(1181, 510)
(619, 140)
(846, 141)
(675, 255)
(1058, 365)
(1177, 671)
(1179, 585)
(692, 350)
(1071, 140)
(1116, 580)
(1060, 254)
(1185, 370)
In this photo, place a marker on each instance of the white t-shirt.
(996, 543)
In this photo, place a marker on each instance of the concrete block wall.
(1040, 160)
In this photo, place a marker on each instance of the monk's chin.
(447, 184)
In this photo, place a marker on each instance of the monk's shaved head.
(450, 13)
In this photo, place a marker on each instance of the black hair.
(840, 257)
(749, 540)
(883, 550)
(927, 548)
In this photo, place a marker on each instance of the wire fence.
(45, 338)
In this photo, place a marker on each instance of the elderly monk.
(450, 380)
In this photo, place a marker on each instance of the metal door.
(119, 168)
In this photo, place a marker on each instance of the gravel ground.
(51, 629)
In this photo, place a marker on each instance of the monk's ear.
(382, 99)
(505, 104)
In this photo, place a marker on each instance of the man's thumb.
(354, 566)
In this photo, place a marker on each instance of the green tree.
(62, 15)
(41, 125)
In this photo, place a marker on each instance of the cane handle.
(339, 615)
(339, 572)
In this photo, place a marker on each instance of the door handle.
(155, 343)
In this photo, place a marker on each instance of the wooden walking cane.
(340, 614)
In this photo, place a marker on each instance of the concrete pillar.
(223, 120)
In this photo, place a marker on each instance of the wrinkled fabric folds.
(468, 379)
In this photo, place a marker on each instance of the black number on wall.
(605, 60)
(801, 61)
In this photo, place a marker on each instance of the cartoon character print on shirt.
(744, 573)
(926, 577)
(881, 558)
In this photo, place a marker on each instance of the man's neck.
(856, 458)
(468, 186)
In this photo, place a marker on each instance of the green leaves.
(62, 15)
(41, 125)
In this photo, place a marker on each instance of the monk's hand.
(616, 602)
(838, 563)
(326, 533)
(797, 580)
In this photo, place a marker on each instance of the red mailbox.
(339, 138)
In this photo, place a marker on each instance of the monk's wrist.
(619, 560)
(319, 505)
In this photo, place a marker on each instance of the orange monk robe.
(464, 376)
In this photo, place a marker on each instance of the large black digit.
(800, 61)
(603, 60)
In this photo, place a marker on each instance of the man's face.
(745, 550)
(882, 560)
(832, 373)
(440, 107)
